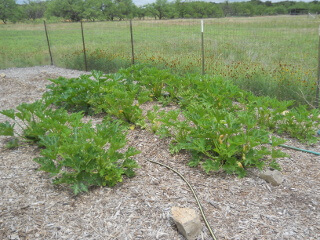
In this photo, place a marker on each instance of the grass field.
(275, 56)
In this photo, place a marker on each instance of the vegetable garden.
(64, 131)
(222, 131)
(222, 126)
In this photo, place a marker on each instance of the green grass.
(275, 56)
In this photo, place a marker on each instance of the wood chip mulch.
(139, 208)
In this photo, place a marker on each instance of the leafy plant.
(270, 112)
(35, 120)
(88, 156)
(121, 98)
(73, 151)
(164, 123)
(6, 129)
(219, 139)
(152, 116)
(161, 84)
(223, 127)
(281, 117)
(96, 93)
(301, 123)
(75, 93)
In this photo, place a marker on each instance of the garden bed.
(139, 208)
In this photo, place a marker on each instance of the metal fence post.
(45, 29)
(84, 48)
(318, 80)
(132, 45)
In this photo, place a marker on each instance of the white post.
(202, 48)
(202, 26)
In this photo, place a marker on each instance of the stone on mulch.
(187, 221)
(272, 176)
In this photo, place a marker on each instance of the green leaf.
(12, 143)
(273, 164)
(97, 75)
(9, 113)
(47, 165)
(130, 163)
(210, 165)
(240, 172)
(275, 141)
(72, 161)
(199, 144)
(129, 173)
(113, 176)
(194, 162)
(50, 141)
(278, 154)
(79, 187)
(6, 129)
(131, 152)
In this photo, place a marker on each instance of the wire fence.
(276, 56)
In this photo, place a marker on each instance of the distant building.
(299, 11)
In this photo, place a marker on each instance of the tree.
(215, 10)
(181, 8)
(280, 10)
(8, 10)
(227, 8)
(268, 3)
(67, 9)
(108, 9)
(150, 11)
(34, 9)
(199, 10)
(161, 8)
(141, 12)
(93, 9)
(125, 9)
(315, 7)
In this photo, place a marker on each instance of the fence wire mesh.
(275, 56)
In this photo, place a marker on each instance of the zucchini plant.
(73, 152)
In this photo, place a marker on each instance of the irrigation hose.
(194, 194)
(299, 149)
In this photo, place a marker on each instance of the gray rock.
(187, 221)
(272, 176)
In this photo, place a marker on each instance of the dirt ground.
(139, 208)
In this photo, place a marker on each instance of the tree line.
(101, 10)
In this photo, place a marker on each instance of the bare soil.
(139, 208)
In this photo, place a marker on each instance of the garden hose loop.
(194, 194)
